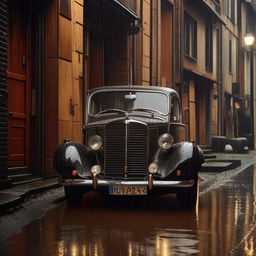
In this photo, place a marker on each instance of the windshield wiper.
(149, 110)
(110, 110)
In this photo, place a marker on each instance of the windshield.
(128, 101)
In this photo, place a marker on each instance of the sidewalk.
(209, 178)
(11, 198)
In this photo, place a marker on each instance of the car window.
(127, 101)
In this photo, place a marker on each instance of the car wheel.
(73, 195)
(187, 197)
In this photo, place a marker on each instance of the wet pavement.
(222, 224)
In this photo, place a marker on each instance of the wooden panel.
(201, 115)
(77, 61)
(51, 29)
(17, 38)
(146, 45)
(192, 111)
(65, 130)
(192, 121)
(51, 106)
(81, 2)
(17, 96)
(78, 13)
(78, 37)
(65, 8)
(65, 38)
(192, 96)
(77, 132)
(166, 44)
(65, 89)
(77, 98)
(18, 86)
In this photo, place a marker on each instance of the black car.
(134, 145)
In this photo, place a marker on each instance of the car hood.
(144, 119)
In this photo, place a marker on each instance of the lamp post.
(249, 42)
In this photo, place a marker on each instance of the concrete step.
(217, 165)
(28, 180)
(207, 151)
(209, 156)
(21, 176)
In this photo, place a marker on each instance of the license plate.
(127, 190)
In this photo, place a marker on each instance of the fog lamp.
(74, 173)
(95, 142)
(96, 170)
(179, 172)
(165, 141)
(153, 168)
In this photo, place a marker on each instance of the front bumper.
(106, 183)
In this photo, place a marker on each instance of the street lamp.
(249, 42)
(249, 39)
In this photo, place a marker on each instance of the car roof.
(166, 90)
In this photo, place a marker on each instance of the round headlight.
(96, 169)
(165, 141)
(153, 168)
(95, 142)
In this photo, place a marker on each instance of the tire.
(187, 197)
(73, 195)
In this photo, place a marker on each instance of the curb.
(10, 200)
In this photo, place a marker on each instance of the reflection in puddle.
(103, 231)
(223, 224)
(162, 243)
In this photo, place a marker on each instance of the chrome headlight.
(96, 169)
(153, 168)
(95, 142)
(165, 141)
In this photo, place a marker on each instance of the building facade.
(53, 51)
(44, 80)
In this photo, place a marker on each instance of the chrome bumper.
(106, 183)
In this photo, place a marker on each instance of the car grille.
(137, 156)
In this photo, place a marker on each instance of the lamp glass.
(249, 39)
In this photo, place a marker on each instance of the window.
(231, 9)
(230, 56)
(190, 36)
(208, 47)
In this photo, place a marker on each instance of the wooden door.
(18, 85)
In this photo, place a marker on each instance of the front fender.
(70, 156)
(179, 154)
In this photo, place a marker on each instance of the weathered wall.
(3, 89)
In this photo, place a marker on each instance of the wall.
(3, 90)
(63, 75)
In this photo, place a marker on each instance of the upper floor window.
(231, 9)
(208, 47)
(190, 36)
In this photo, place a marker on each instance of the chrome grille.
(115, 149)
(137, 149)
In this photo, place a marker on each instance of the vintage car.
(133, 145)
